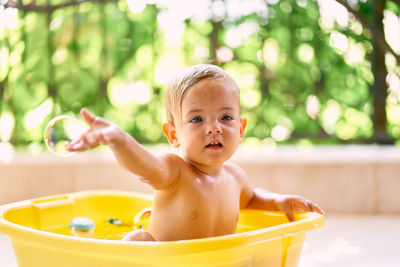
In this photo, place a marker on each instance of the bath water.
(102, 230)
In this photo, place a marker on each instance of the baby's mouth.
(214, 145)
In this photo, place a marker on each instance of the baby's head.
(203, 113)
(181, 83)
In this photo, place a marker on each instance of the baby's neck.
(205, 169)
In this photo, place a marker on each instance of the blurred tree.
(325, 71)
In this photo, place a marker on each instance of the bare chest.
(202, 208)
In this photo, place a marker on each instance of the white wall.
(344, 179)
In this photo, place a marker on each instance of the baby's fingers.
(298, 204)
(87, 116)
(289, 214)
(74, 146)
(86, 141)
(315, 208)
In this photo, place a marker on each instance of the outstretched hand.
(292, 203)
(100, 131)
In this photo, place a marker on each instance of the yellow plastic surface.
(40, 235)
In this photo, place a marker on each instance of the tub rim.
(308, 221)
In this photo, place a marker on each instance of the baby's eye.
(227, 118)
(196, 119)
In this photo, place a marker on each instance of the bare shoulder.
(237, 172)
(174, 162)
(173, 158)
(173, 167)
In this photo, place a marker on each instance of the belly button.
(194, 215)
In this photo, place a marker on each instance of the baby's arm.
(264, 200)
(154, 170)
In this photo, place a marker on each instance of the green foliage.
(296, 79)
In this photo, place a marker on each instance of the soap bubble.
(61, 130)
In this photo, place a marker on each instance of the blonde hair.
(180, 84)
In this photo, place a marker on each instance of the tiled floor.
(354, 241)
(6, 254)
(344, 241)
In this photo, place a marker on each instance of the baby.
(197, 194)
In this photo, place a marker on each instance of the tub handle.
(52, 202)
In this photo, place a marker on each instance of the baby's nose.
(214, 128)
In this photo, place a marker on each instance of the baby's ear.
(243, 123)
(169, 131)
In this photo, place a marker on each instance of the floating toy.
(114, 222)
(141, 220)
(81, 225)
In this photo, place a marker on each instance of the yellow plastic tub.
(40, 235)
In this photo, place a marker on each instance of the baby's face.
(211, 128)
